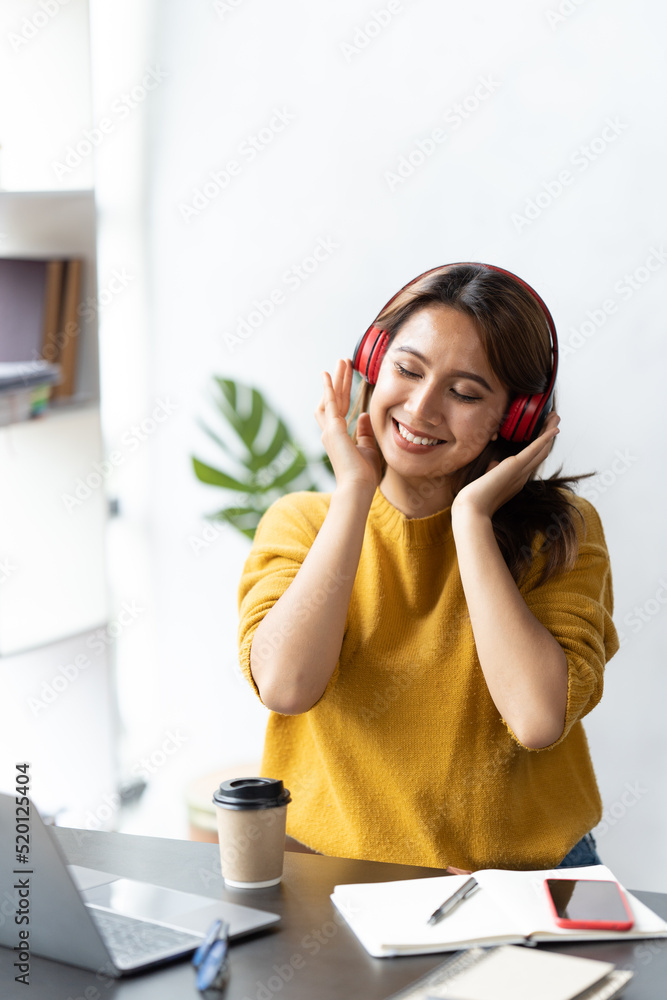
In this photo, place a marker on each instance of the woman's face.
(435, 383)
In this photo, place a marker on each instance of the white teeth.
(415, 440)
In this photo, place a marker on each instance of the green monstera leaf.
(262, 459)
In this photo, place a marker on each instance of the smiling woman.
(439, 402)
(469, 622)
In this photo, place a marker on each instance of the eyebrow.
(458, 374)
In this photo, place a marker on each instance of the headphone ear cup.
(525, 418)
(369, 352)
(509, 427)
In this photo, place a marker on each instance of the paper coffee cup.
(251, 815)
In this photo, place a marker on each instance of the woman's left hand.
(503, 480)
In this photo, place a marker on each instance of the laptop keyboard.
(138, 942)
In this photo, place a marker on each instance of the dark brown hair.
(515, 336)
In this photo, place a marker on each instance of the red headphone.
(526, 413)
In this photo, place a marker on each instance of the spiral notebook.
(511, 972)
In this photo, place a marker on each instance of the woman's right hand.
(353, 464)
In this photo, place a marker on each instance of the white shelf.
(63, 227)
(50, 224)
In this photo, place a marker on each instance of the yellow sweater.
(405, 757)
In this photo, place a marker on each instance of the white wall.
(548, 85)
(44, 80)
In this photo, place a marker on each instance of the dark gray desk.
(311, 955)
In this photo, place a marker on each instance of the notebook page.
(515, 973)
(523, 896)
(393, 916)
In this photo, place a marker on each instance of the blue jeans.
(583, 853)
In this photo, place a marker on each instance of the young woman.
(429, 635)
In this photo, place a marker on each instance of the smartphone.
(588, 904)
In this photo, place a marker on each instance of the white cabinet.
(52, 529)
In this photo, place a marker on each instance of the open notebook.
(510, 907)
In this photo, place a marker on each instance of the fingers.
(335, 400)
(518, 468)
(327, 396)
(540, 449)
(365, 434)
(535, 452)
(550, 428)
(343, 385)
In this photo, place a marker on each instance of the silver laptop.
(98, 920)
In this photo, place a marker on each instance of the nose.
(424, 405)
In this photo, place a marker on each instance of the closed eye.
(405, 371)
(465, 399)
(461, 397)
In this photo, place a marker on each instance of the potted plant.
(262, 458)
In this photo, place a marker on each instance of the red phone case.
(592, 925)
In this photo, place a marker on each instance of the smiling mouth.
(415, 438)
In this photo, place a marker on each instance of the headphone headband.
(526, 413)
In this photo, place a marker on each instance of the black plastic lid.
(251, 793)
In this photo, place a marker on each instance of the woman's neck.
(416, 497)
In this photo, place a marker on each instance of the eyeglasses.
(210, 958)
